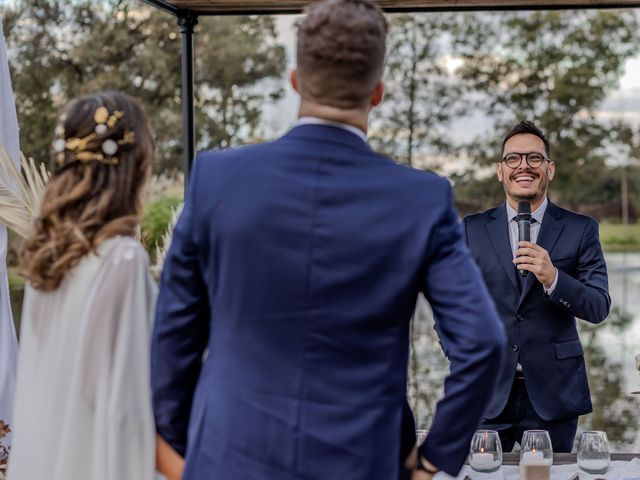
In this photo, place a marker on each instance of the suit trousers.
(519, 415)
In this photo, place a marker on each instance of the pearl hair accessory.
(104, 121)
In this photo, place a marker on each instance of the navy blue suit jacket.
(542, 330)
(281, 340)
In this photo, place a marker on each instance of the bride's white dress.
(83, 402)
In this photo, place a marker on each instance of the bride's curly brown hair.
(87, 202)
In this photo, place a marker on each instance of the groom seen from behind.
(281, 341)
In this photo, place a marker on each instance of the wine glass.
(593, 452)
(485, 453)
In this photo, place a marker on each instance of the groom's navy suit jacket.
(541, 330)
(281, 340)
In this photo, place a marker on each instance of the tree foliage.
(420, 100)
(60, 50)
(555, 68)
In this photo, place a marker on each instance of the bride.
(83, 403)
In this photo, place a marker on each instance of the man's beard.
(540, 192)
(525, 198)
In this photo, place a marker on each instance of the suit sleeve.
(587, 295)
(470, 328)
(465, 230)
(181, 329)
(441, 337)
(408, 432)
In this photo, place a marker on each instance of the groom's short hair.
(341, 51)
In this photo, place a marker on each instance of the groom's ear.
(378, 94)
(293, 79)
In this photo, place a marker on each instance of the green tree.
(61, 50)
(421, 95)
(625, 141)
(35, 47)
(555, 68)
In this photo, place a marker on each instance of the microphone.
(524, 226)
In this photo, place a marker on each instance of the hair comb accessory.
(80, 146)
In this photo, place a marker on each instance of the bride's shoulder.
(123, 250)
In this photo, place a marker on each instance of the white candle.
(534, 458)
(483, 461)
(533, 466)
(595, 465)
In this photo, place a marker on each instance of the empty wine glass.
(593, 452)
(485, 454)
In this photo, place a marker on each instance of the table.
(566, 458)
(623, 467)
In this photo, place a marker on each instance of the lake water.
(610, 349)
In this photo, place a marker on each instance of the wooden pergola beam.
(226, 7)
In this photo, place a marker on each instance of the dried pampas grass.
(163, 246)
(21, 192)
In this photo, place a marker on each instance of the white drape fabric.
(83, 402)
(9, 138)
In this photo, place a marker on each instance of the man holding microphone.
(539, 285)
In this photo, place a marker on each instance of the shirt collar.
(538, 214)
(321, 121)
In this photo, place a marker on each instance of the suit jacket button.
(519, 318)
(515, 348)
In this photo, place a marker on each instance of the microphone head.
(524, 208)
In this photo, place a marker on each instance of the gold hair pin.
(104, 121)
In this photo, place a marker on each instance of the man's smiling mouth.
(523, 178)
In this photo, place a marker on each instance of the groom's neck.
(358, 118)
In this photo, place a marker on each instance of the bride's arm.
(168, 462)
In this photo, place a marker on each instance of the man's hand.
(421, 474)
(168, 462)
(411, 463)
(535, 259)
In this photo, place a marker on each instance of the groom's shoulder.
(426, 181)
(215, 158)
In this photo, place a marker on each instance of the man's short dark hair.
(341, 50)
(525, 126)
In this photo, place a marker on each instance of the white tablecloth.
(617, 471)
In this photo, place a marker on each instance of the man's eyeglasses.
(533, 159)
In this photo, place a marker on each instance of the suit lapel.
(547, 238)
(498, 230)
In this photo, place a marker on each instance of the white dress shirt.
(538, 215)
